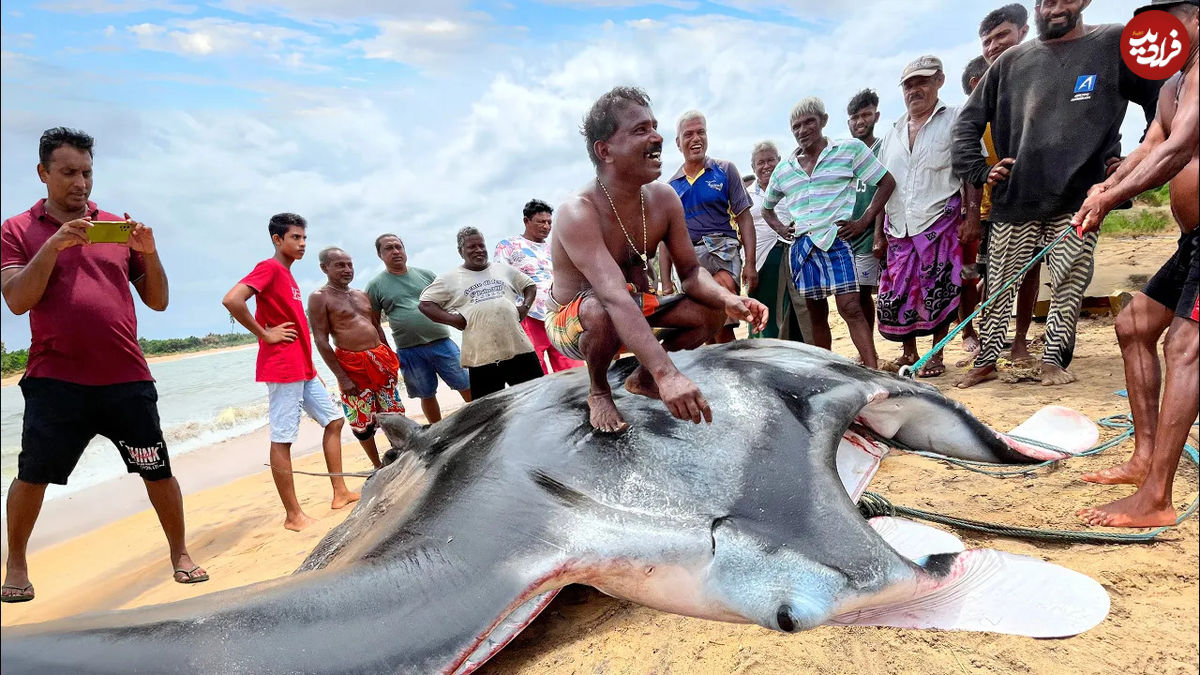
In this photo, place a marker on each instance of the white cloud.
(221, 37)
(423, 41)
(114, 6)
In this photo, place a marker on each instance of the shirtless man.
(601, 295)
(365, 366)
(1168, 302)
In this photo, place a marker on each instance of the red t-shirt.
(84, 329)
(277, 302)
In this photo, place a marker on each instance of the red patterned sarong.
(376, 373)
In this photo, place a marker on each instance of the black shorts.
(61, 418)
(1177, 284)
(492, 377)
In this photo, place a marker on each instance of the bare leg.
(167, 500)
(860, 330)
(1026, 302)
(724, 333)
(1138, 328)
(372, 451)
(24, 504)
(867, 303)
(1151, 504)
(432, 410)
(331, 443)
(818, 313)
(281, 470)
(935, 366)
(599, 344)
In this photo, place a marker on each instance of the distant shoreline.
(10, 380)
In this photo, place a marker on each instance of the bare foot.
(1053, 374)
(970, 345)
(1122, 474)
(976, 376)
(341, 500)
(642, 383)
(1132, 511)
(1020, 353)
(299, 522)
(605, 417)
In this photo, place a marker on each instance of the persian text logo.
(1154, 45)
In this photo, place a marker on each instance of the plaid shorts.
(818, 274)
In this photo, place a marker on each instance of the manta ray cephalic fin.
(914, 540)
(989, 590)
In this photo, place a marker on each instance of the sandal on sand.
(932, 370)
(24, 593)
(188, 573)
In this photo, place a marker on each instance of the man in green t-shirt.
(423, 347)
(869, 248)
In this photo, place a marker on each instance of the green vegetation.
(1159, 196)
(1136, 221)
(14, 362)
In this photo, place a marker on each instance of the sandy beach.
(88, 559)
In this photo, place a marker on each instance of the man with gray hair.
(479, 299)
(788, 316)
(818, 182)
(366, 368)
(714, 203)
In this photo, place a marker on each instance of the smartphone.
(109, 231)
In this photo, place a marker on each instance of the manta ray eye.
(784, 617)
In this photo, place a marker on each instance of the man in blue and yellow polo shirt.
(717, 209)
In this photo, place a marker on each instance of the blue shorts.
(286, 400)
(421, 366)
(818, 274)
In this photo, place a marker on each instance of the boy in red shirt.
(285, 364)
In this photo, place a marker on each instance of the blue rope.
(911, 371)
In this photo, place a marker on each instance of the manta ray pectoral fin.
(988, 590)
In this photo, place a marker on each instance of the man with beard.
(601, 297)
(714, 203)
(1171, 152)
(1055, 106)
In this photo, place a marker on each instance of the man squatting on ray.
(1167, 304)
(601, 296)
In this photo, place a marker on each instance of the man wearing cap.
(1055, 105)
(717, 209)
(1168, 304)
(920, 285)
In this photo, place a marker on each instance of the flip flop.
(932, 370)
(25, 593)
(188, 573)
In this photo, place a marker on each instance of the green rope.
(872, 504)
(911, 371)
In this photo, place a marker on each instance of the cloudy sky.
(414, 117)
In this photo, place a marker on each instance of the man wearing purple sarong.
(920, 288)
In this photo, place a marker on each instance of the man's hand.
(141, 239)
(1000, 171)
(747, 309)
(683, 398)
(281, 333)
(1111, 165)
(72, 233)
(460, 321)
(849, 229)
(749, 278)
(879, 246)
(1089, 216)
(347, 386)
(522, 312)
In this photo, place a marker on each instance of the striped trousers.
(1010, 247)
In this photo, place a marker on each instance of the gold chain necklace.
(642, 199)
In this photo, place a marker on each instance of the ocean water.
(202, 399)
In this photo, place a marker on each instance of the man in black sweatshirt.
(1055, 106)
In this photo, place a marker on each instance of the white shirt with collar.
(925, 181)
(765, 237)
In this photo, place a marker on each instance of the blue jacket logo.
(1085, 84)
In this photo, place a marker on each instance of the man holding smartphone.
(86, 373)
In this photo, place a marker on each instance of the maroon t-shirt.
(84, 329)
(277, 301)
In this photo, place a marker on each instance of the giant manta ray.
(462, 540)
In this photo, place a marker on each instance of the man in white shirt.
(478, 298)
(920, 287)
(789, 315)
